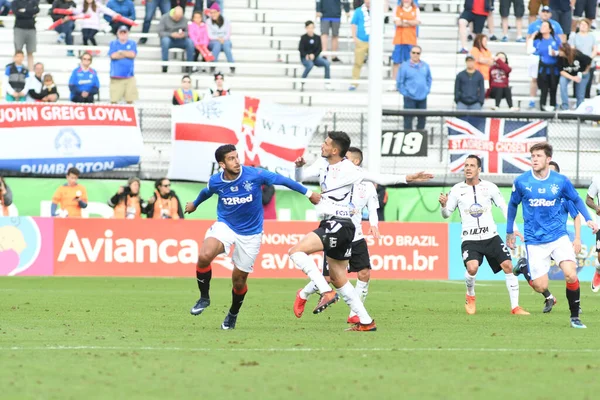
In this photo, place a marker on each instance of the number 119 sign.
(404, 143)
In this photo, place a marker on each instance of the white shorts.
(534, 66)
(538, 255)
(246, 248)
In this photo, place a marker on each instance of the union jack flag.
(503, 145)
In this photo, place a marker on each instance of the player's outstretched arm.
(387, 179)
(571, 194)
(276, 179)
(448, 203)
(372, 206)
(204, 195)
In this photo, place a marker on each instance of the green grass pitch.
(96, 338)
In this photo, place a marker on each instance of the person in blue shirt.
(541, 192)
(124, 8)
(414, 83)
(239, 222)
(361, 28)
(122, 53)
(568, 209)
(546, 44)
(84, 83)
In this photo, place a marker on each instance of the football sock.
(547, 294)
(512, 284)
(203, 276)
(470, 282)
(309, 289)
(362, 290)
(308, 266)
(598, 266)
(237, 298)
(573, 298)
(353, 301)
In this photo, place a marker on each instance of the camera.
(126, 189)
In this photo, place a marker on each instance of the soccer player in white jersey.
(593, 201)
(239, 223)
(363, 195)
(335, 233)
(474, 199)
(541, 192)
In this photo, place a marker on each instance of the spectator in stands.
(199, 5)
(90, 26)
(173, 32)
(585, 43)
(84, 83)
(310, 53)
(219, 89)
(546, 45)
(72, 197)
(49, 89)
(414, 83)
(6, 198)
(519, 10)
(581, 6)
(534, 8)
(179, 3)
(151, 6)
(124, 8)
(164, 203)
(24, 33)
(35, 82)
(185, 94)
(499, 81)
(532, 30)
(476, 11)
(198, 33)
(483, 56)
(219, 33)
(330, 13)
(65, 29)
(490, 21)
(122, 53)
(469, 89)
(407, 18)
(127, 202)
(562, 12)
(14, 82)
(4, 10)
(361, 28)
(574, 66)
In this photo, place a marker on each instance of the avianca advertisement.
(170, 248)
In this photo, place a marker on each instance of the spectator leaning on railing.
(125, 8)
(164, 203)
(173, 33)
(6, 197)
(84, 83)
(122, 53)
(574, 66)
(64, 30)
(310, 53)
(24, 33)
(414, 83)
(71, 196)
(330, 13)
(185, 94)
(469, 89)
(127, 202)
(219, 33)
(14, 80)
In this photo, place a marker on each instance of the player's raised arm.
(204, 195)
(448, 203)
(571, 194)
(387, 179)
(372, 206)
(308, 172)
(276, 179)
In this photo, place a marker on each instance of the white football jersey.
(475, 206)
(364, 195)
(594, 192)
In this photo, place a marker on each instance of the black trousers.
(88, 36)
(502, 93)
(547, 83)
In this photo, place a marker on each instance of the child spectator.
(124, 8)
(483, 56)
(407, 18)
(499, 81)
(84, 83)
(198, 33)
(219, 90)
(90, 26)
(574, 66)
(35, 83)
(185, 94)
(310, 53)
(71, 196)
(49, 91)
(219, 33)
(546, 45)
(65, 30)
(14, 82)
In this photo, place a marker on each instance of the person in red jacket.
(499, 88)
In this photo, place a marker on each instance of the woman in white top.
(585, 42)
(90, 26)
(219, 34)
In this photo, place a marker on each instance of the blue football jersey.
(240, 201)
(545, 205)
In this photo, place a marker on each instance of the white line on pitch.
(302, 349)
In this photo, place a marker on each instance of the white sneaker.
(494, 108)
(329, 87)
(548, 108)
(514, 108)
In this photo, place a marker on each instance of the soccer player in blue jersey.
(567, 209)
(541, 191)
(239, 222)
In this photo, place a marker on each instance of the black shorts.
(587, 6)
(518, 8)
(494, 250)
(360, 258)
(598, 242)
(477, 20)
(336, 235)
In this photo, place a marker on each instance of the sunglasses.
(169, 185)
